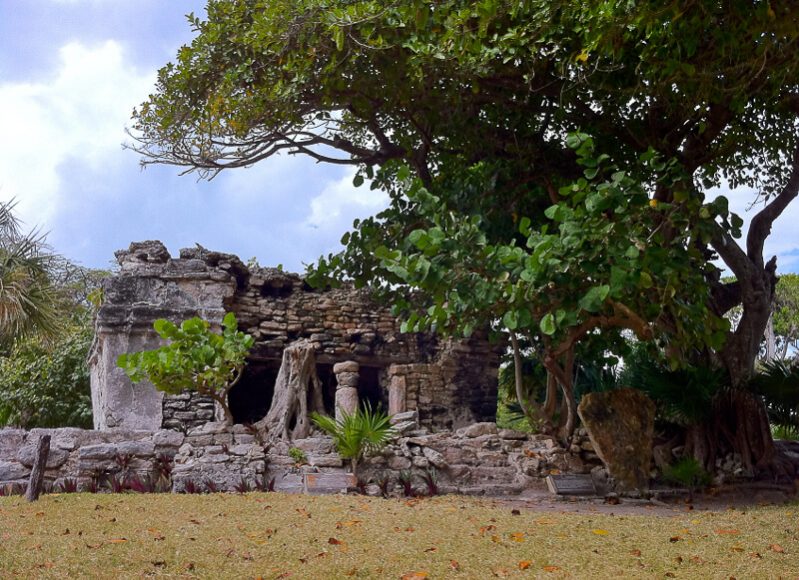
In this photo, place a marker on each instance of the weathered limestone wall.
(450, 383)
(478, 459)
(81, 454)
(151, 285)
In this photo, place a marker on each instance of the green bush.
(46, 383)
(688, 473)
(358, 434)
(195, 359)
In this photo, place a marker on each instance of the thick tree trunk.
(36, 480)
(298, 392)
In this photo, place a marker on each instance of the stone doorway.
(251, 397)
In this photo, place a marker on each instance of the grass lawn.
(272, 535)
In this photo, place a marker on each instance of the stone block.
(325, 460)
(12, 470)
(399, 463)
(349, 366)
(168, 438)
(10, 442)
(27, 453)
(137, 448)
(512, 434)
(410, 416)
(346, 401)
(477, 430)
(620, 424)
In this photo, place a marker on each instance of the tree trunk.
(36, 480)
(298, 392)
(771, 340)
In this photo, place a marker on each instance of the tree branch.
(760, 228)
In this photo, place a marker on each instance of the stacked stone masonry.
(478, 459)
(450, 383)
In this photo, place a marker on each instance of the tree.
(46, 384)
(44, 379)
(195, 359)
(785, 316)
(501, 124)
(29, 300)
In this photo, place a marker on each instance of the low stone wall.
(479, 459)
(82, 455)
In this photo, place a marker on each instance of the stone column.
(346, 387)
(396, 395)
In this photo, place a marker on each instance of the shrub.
(384, 482)
(430, 479)
(68, 485)
(298, 455)
(689, 473)
(406, 481)
(358, 434)
(195, 359)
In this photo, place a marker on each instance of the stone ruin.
(360, 353)
(442, 393)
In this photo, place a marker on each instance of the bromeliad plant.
(358, 434)
(195, 359)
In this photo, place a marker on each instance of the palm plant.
(778, 383)
(28, 298)
(356, 435)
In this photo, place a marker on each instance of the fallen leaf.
(500, 572)
(488, 528)
(776, 548)
(116, 541)
(636, 553)
(675, 539)
(515, 513)
(755, 555)
(551, 568)
(454, 565)
(415, 575)
(727, 532)
(433, 549)
(334, 541)
(347, 524)
(600, 532)
(517, 536)
(524, 564)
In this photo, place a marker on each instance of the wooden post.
(37, 472)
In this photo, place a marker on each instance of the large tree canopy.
(560, 154)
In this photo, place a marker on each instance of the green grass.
(280, 536)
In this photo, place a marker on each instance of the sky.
(71, 72)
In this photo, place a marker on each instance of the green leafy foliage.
(195, 359)
(29, 298)
(548, 163)
(298, 455)
(778, 383)
(356, 435)
(683, 396)
(689, 473)
(46, 383)
(786, 314)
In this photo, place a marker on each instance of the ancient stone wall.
(450, 383)
(478, 459)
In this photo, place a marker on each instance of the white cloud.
(335, 208)
(77, 114)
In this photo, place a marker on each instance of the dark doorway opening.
(251, 397)
(369, 390)
(325, 373)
